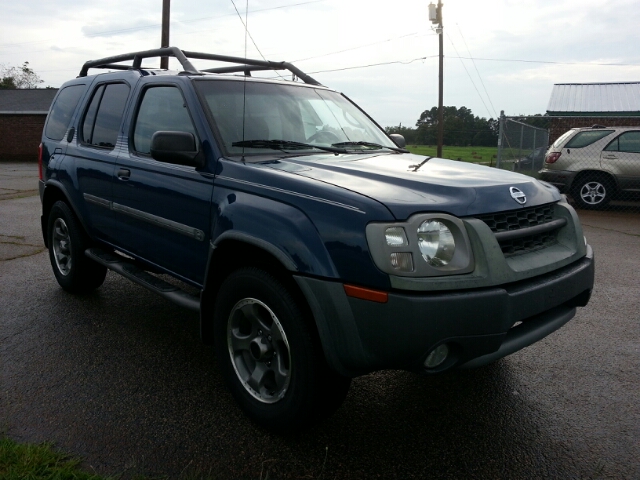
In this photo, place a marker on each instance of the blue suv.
(315, 247)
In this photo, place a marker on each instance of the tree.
(408, 133)
(461, 127)
(19, 77)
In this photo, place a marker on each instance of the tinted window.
(104, 115)
(62, 110)
(584, 139)
(90, 116)
(161, 109)
(258, 112)
(627, 142)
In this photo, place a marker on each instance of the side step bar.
(126, 268)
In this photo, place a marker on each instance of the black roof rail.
(245, 65)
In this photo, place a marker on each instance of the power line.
(552, 62)
(375, 65)
(470, 78)
(478, 72)
(246, 31)
(358, 47)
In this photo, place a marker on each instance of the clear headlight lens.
(396, 237)
(402, 261)
(436, 243)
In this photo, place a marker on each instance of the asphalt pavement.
(120, 378)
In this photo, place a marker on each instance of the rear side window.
(627, 142)
(103, 117)
(562, 138)
(584, 139)
(62, 111)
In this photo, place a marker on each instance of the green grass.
(38, 462)
(484, 155)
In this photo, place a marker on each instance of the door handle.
(611, 157)
(124, 174)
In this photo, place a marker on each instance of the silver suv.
(594, 164)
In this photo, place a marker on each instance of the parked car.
(532, 162)
(319, 247)
(595, 164)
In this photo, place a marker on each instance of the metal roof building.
(595, 99)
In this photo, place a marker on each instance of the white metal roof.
(595, 97)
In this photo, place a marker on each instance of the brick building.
(22, 116)
(586, 104)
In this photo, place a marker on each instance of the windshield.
(287, 117)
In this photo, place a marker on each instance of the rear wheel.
(268, 355)
(592, 191)
(74, 271)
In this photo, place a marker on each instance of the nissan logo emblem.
(517, 195)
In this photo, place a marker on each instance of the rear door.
(622, 158)
(94, 153)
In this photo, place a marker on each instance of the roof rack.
(245, 65)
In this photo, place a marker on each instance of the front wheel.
(268, 355)
(75, 272)
(592, 191)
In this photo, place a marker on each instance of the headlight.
(436, 243)
(396, 237)
(425, 245)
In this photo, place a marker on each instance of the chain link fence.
(594, 160)
(521, 146)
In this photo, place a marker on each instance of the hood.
(408, 184)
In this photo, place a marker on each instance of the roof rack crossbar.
(239, 68)
(245, 64)
(137, 59)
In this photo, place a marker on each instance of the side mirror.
(398, 140)
(176, 147)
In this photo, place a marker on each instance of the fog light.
(402, 261)
(437, 356)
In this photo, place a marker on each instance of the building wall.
(20, 136)
(559, 125)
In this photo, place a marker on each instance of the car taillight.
(40, 161)
(552, 157)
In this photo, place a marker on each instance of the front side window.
(103, 117)
(584, 139)
(162, 109)
(627, 142)
(62, 111)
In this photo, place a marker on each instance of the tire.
(592, 191)
(75, 272)
(268, 355)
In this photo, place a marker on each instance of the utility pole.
(164, 40)
(435, 16)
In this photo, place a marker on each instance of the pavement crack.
(611, 230)
(25, 255)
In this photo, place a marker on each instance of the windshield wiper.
(284, 145)
(369, 144)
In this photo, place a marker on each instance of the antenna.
(244, 82)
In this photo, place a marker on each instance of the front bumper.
(360, 336)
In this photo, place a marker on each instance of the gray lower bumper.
(360, 336)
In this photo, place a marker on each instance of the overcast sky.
(519, 48)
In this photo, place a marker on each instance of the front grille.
(523, 220)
